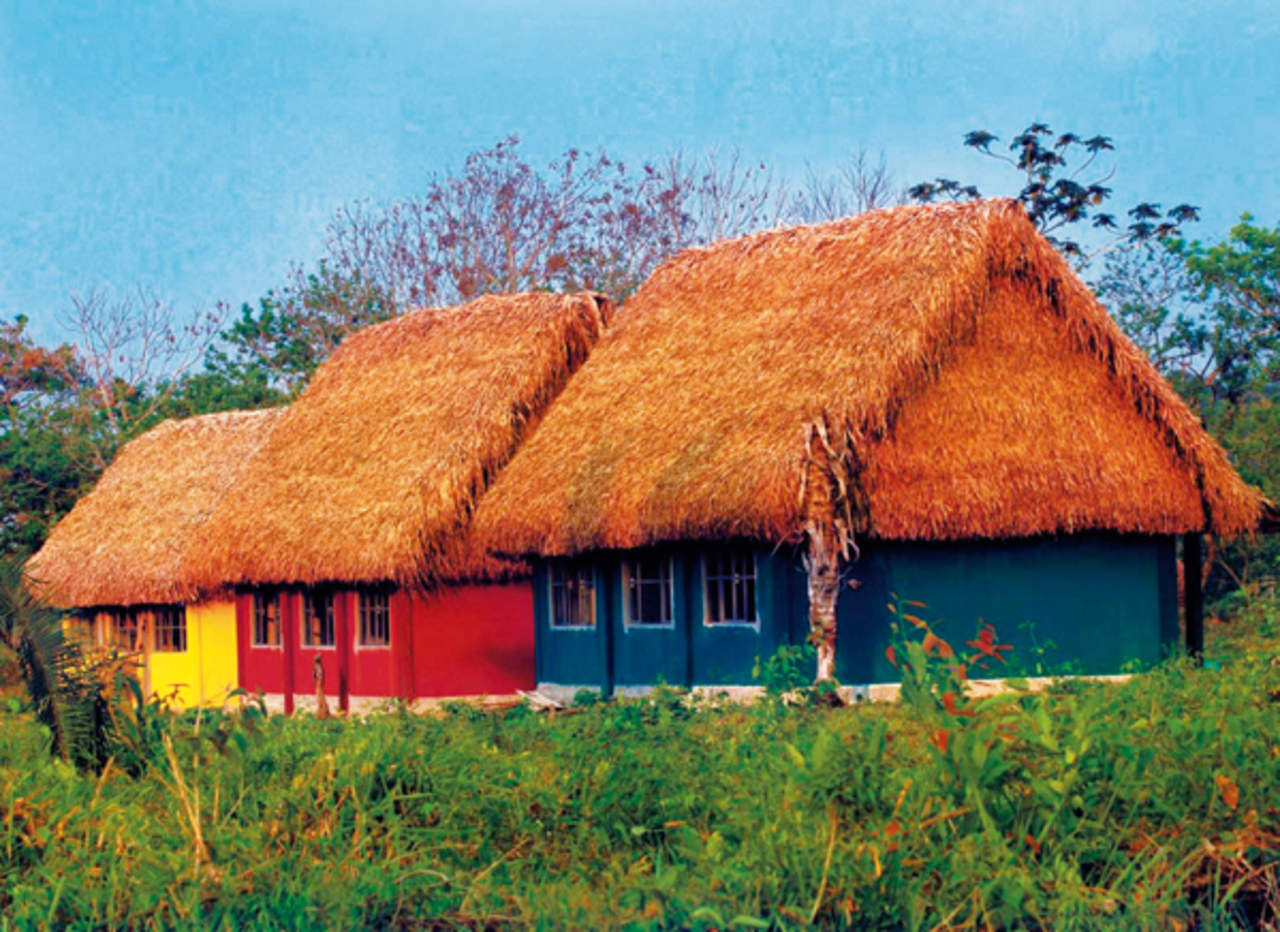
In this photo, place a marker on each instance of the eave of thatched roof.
(373, 473)
(126, 541)
(940, 371)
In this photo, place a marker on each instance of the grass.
(1145, 804)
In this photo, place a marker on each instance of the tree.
(497, 225)
(67, 410)
(1239, 281)
(1238, 289)
(45, 457)
(1056, 196)
(132, 353)
(268, 354)
(858, 185)
(585, 221)
(500, 223)
(1209, 318)
(1152, 297)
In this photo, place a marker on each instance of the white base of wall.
(888, 692)
(563, 694)
(371, 705)
(851, 695)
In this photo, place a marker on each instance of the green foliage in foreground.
(1145, 804)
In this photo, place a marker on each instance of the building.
(118, 559)
(347, 541)
(785, 432)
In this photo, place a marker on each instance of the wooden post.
(317, 678)
(1193, 596)
(343, 607)
(287, 606)
(145, 632)
(823, 564)
(244, 629)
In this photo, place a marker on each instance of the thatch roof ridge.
(716, 386)
(126, 542)
(376, 468)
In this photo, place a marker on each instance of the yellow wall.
(206, 671)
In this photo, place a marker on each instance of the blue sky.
(198, 147)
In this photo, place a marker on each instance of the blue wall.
(1087, 603)
(689, 651)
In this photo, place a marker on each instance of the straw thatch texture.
(947, 373)
(374, 471)
(126, 542)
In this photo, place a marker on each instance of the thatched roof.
(939, 371)
(374, 471)
(126, 542)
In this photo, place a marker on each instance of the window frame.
(162, 617)
(119, 619)
(580, 571)
(629, 565)
(78, 624)
(304, 626)
(262, 597)
(359, 634)
(729, 553)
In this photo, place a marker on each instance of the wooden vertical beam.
(400, 609)
(1193, 596)
(343, 608)
(287, 605)
(244, 628)
(822, 561)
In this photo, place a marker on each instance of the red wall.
(261, 668)
(471, 640)
(303, 658)
(464, 640)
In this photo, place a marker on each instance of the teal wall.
(613, 654)
(1087, 603)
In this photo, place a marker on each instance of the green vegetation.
(1151, 803)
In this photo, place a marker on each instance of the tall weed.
(1144, 804)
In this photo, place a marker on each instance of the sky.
(197, 148)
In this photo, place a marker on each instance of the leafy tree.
(1209, 317)
(1152, 296)
(1238, 288)
(64, 412)
(1055, 195)
(271, 350)
(45, 456)
(1239, 282)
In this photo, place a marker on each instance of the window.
(79, 627)
(647, 583)
(170, 629)
(123, 631)
(266, 619)
(573, 596)
(375, 619)
(317, 619)
(730, 588)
